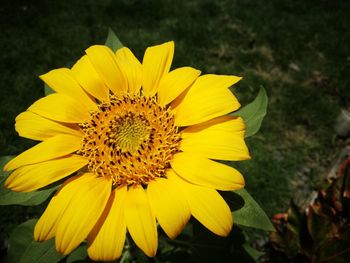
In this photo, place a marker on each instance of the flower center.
(130, 139)
(129, 132)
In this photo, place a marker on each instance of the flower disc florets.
(130, 139)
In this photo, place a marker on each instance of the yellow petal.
(169, 206)
(60, 107)
(156, 63)
(221, 138)
(208, 97)
(207, 206)
(52, 148)
(85, 73)
(202, 171)
(104, 61)
(82, 213)
(31, 177)
(140, 221)
(62, 81)
(131, 68)
(106, 240)
(174, 83)
(35, 127)
(46, 227)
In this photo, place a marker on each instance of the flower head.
(136, 144)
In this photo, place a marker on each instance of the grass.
(298, 50)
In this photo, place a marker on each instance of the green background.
(298, 50)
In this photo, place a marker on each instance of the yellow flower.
(140, 141)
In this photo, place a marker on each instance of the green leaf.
(249, 213)
(253, 113)
(113, 41)
(8, 197)
(212, 248)
(255, 254)
(24, 249)
(48, 90)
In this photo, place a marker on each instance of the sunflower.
(137, 145)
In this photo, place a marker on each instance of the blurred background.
(298, 50)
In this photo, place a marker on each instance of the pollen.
(130, 139)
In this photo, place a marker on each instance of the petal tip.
(94, 47)
(8, 167)
(173, 235)
(171, 43)
(8, 183)
(150, 252)
(97, 48)
(64, 248)
(63, 251)
(235, 79)
(227, 231)
(43, 76)
(39, 236)
(122, 50)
